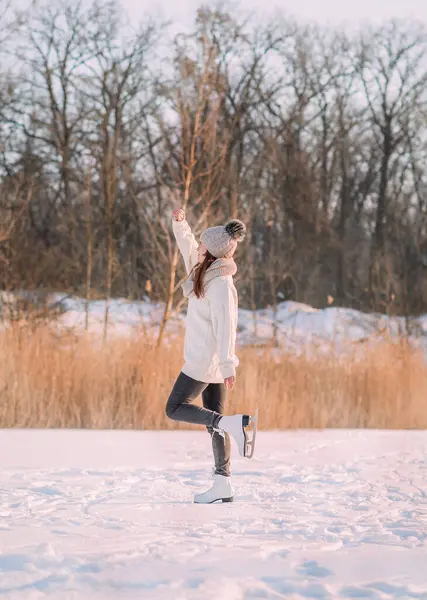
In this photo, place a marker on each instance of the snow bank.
(295, 326)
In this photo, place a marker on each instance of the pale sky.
(333, 12)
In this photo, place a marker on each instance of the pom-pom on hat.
(222, 241)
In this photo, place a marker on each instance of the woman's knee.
(171, 407)
(183, 392)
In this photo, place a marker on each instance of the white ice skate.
(221, 491)
(236, 426)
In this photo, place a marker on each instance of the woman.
(210, 361)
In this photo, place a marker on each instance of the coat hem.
(194, 374)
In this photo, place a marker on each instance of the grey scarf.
(222, 266)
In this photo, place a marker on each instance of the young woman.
(209, 352)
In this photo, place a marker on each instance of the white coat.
(211, 322)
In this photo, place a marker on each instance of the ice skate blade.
(250, 442)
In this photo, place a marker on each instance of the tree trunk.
(379, 235)
(378, 243)
(89, 249)
(170, 297)
(341, 287)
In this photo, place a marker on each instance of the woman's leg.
(179, 407)
(213, 399)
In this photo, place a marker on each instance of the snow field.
(102, 514)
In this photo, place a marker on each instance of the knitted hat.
(222, 241)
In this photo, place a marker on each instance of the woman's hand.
(178, 214)
(229, 383)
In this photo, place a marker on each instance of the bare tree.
(194, 165)
(119, 78)
(392, 70)
(314, 137)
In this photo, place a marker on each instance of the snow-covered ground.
(107, 515)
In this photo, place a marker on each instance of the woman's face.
(201, 251)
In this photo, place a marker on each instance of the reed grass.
(51, 379)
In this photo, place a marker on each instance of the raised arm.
(186, 241)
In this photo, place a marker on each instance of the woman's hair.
(199, 274)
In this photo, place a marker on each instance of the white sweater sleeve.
(187, 243)
(223, 303)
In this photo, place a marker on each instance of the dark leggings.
(179, 408)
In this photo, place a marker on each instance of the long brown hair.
(199, 274)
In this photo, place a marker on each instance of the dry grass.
(71, 381)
